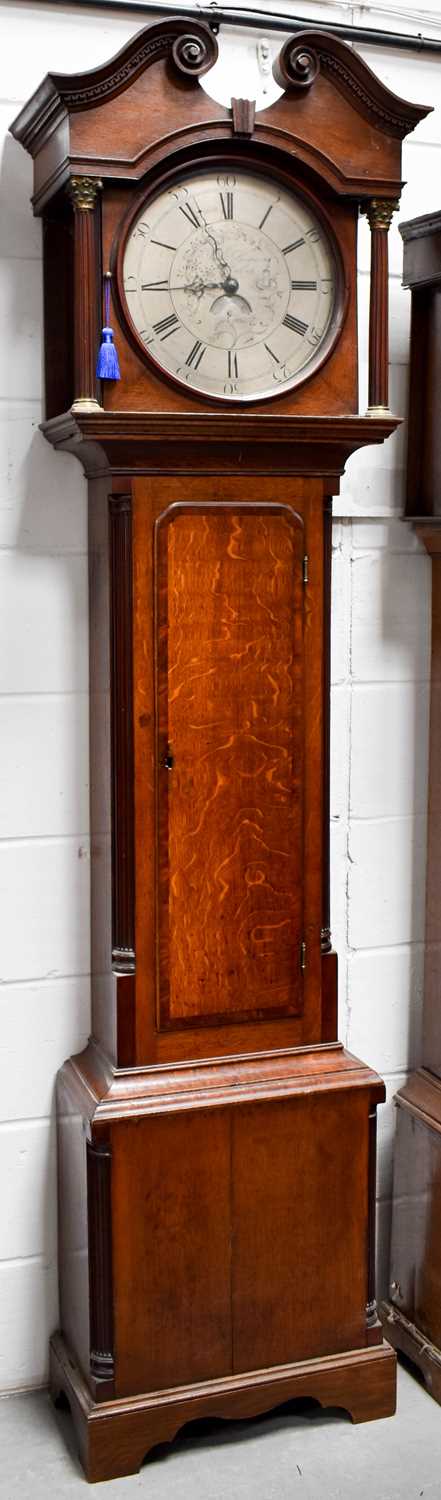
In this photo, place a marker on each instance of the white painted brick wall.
(380, 676)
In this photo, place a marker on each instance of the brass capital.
(83, 192)
(379, 212)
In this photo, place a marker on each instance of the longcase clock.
(216, 1141)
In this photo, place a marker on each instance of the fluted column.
(83, 194)
(379, 213)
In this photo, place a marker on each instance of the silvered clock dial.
(232, 284)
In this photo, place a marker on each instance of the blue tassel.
(107, 367)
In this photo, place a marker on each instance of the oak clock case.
(216, 1141)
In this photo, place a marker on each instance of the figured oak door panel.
(229, 598)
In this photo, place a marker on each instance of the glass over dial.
(230, 283)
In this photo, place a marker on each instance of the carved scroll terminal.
(194, 55)
(296, 67)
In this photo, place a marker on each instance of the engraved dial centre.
(242, 305)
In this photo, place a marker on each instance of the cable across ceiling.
(223, 15)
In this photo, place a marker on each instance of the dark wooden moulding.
(217, 1171)
(412, 1315)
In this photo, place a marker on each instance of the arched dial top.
(232, 284)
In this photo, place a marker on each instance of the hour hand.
(198, 286)
(229, 285)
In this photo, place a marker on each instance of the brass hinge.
(305, 569)
(303, 957)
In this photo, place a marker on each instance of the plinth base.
(115, 1436)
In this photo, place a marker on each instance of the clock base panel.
(215, 1220)
(114, 1437)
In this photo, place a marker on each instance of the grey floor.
(306, 1455)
